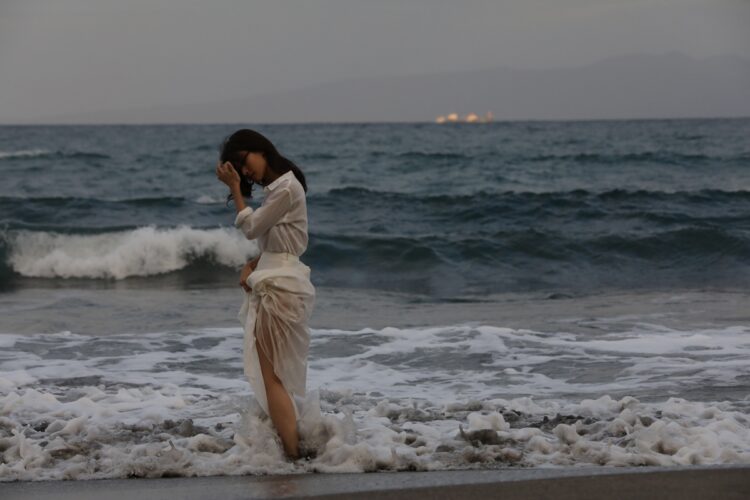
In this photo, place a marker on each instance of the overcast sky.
(63, 56)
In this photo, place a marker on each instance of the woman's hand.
(227, 174)
(246, 270)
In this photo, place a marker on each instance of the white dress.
(275, 313)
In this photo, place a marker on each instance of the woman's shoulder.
(295, 186)
(284, 183)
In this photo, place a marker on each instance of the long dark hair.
(251, 141)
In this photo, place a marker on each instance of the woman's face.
(254, 167)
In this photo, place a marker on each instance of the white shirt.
(280, 223)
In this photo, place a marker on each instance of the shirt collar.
(275, 183)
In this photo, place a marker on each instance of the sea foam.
(21, 153)
(177, 403)
(144, 251)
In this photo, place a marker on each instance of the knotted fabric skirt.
(275, 315)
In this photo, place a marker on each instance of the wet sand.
(724, 482)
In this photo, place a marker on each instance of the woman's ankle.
(295, 455)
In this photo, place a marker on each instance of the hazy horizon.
(79, 57)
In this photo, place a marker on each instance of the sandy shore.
(724, 482)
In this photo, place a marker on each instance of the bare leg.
(280, 407)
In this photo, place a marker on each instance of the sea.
(488, 296)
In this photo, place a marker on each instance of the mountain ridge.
(624, 86)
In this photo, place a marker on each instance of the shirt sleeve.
(253, 223)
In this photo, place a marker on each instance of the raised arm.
(229, 176)
(253, 223)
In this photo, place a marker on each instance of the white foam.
(144, 251)
(23, 153)
(80, 407)
(206, 199)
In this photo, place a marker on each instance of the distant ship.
(469, 118)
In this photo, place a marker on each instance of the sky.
(66, 56)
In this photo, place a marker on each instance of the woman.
(279, 296)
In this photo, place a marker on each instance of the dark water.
(488, 295)
(443, 210)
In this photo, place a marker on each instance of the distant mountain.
(669, 85)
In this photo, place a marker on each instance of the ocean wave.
(74, 200)
(357, 192)
(207, 199)
(144, 251)
(318, 156)
(43, 153)
(434, 155)
(673, 158)
(23, 153)
(528, 247)
(572, 194)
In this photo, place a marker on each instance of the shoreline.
(678, 482)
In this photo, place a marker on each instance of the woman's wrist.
(239, 200)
